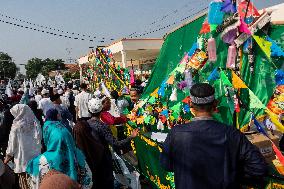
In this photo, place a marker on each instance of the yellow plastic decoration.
(237, 82)
(140, 120)
(171, 80)
(264, 45)
(275, 121)
(155, 93)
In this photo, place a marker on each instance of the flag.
(214, 75)
(237, 82)
(255, 102)
(155, 93)
(171, 80)
(275, 121)
(259, 127)
(224, 79)
(264, 45)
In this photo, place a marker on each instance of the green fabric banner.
(175, 46)
(260, 82)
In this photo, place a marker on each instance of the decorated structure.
(238, 50)
(98, 70)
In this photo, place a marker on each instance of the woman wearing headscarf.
(103, 133)
(61, 154)
(90, 146)
(24, 141)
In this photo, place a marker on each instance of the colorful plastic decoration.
(231, 58)
(229, 6)
(192, 49)
(244, 28)
(275, 49)
(212, 50)
(173, 96)
(182, 85)
(214, 75)
(236, 104)
(198, 59)
(279, 77)
(252, 11)
(215, 15)
(188, 79)
(205, 28)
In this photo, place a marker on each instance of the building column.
(123, 59)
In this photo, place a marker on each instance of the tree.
(8, 68)
(37, 65)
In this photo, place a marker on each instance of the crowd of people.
(62, 133)
(67, 138)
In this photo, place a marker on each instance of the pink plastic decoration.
(244, 28)
(212, 50)
(132, 77)
(231, 59)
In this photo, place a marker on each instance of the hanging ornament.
(244, 28)
(182, 85)
(231, 58)
(236, 104)
(215, 15)
(188, 78)
(251, 60)
(160, 125)
(229, 6)
(205, 28)
(173, 96)
(198, 59)
(132, 77)
(246, 8)
(212, 50)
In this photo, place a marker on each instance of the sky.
(105, 20)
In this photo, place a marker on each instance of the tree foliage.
(8, 68)
(44, 66)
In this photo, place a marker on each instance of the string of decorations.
(50, 28)
(172, 13)
(169, 25)
(51, 33)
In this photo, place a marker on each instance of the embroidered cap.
(202, 94)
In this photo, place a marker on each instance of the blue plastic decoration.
(192, 49)
(249, 20)
(215, 15)
(279, 77)
(229, 7)
(214, 75)
(161, 91)
(275, 49)
(186, 108)
(165, 113)
(247, 45)
(259, 127)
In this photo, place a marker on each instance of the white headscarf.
(23, 116)
(25, 119)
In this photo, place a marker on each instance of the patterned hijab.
(61, 154)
